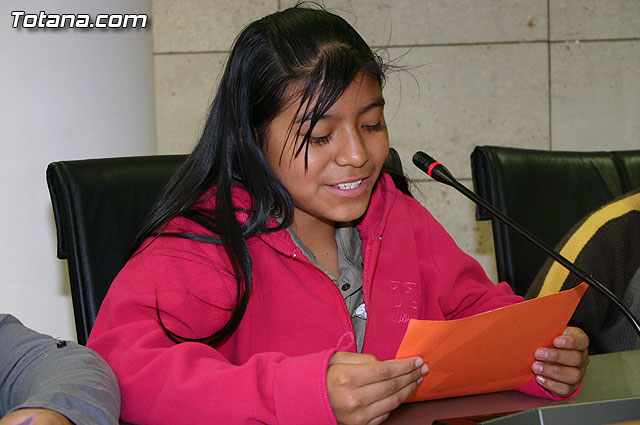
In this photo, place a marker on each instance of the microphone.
(439, 173)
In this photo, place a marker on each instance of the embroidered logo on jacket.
(405, 301)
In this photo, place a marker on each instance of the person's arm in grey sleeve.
(37, 371)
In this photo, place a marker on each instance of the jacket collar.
(375, 218)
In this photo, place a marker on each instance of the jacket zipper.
(367, 269)
(335, 289)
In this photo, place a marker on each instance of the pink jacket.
(273, 368)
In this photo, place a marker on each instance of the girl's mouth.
(349, 186)
(353, 189)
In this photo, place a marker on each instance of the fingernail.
(537, 367)
(420, 379)
(419, 362)
(541, 354)
(424, 369)
(540, 379)
(560, 342)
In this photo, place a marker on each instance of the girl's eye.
(375, 127)
(319, 140)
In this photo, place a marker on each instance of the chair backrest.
(99, 206)
(547, 192)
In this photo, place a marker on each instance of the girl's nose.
(351, 150)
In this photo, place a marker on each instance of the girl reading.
(274, 279)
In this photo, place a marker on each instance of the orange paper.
(491, 351)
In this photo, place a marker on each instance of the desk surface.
(609, 376)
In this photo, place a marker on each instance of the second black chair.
(547, 192)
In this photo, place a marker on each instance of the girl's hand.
(561, 369)
(364, 390)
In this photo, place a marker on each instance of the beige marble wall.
(544, 74)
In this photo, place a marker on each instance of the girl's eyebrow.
(377, 103)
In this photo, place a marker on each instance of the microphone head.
(433, 168)
(423, 161)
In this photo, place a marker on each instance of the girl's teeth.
(349, 186)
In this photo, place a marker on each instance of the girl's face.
(346, 151)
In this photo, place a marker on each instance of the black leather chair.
(547, 192)
(99, 206)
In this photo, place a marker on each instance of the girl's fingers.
(560, 369)
(570, 349)
(556, 388)
(563, 374)
(572, 339)
(382, 408)
(380, 372)
(572, 358)
(380, 419)
(366, 392)
(388, 388)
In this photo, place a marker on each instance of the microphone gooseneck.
(439, 172)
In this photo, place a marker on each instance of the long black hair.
(307, 46)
